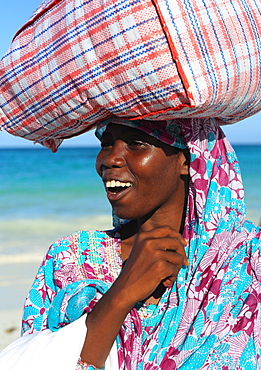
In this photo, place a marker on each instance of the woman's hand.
(156, 257)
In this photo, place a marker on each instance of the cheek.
(98, 164)
(155, 170)
(146, 161)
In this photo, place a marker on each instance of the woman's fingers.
(174, 251)
(165, 231)
(157, 256)
(167, 264)
(164, 238)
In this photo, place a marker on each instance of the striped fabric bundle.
(77, 62)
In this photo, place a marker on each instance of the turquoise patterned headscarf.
(168, 132)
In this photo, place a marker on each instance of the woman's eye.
(105, 144)
(135, 143)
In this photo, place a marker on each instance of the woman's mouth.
(116, 188)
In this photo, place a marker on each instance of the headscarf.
(168, 132)
(210, 317)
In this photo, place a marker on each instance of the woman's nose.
(115, 157)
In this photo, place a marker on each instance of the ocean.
(44, 196)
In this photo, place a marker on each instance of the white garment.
(47, 350)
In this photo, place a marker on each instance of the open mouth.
(115, 186)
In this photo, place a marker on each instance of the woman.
(178, 285)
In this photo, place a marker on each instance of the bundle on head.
(77, 62)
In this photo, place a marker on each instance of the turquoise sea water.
(38, 183)
(44, 196)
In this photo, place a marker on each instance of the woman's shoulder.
(93, 254)
(82, 239)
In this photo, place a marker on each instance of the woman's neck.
(130, 230)
(159, 219)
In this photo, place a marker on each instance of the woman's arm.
(103, 325)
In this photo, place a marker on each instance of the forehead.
(122, 132)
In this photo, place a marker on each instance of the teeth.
(114, 184)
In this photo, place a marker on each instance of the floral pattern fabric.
(68, 263)
(210, 317)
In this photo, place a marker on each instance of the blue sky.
(15, 13)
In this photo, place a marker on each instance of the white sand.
(10, 321)
(15, 281)
(17, 270)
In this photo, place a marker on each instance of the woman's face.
(141, 174)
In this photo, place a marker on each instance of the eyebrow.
(127, 131)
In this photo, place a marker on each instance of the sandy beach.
(15, 281)
(9, 326)
(17, 271)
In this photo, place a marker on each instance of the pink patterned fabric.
(78, 62)
(80, 256)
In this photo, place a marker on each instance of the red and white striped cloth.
(77, 62)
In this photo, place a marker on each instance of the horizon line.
(37, 147)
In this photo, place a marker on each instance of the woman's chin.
(125, 215)
(131, 215)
